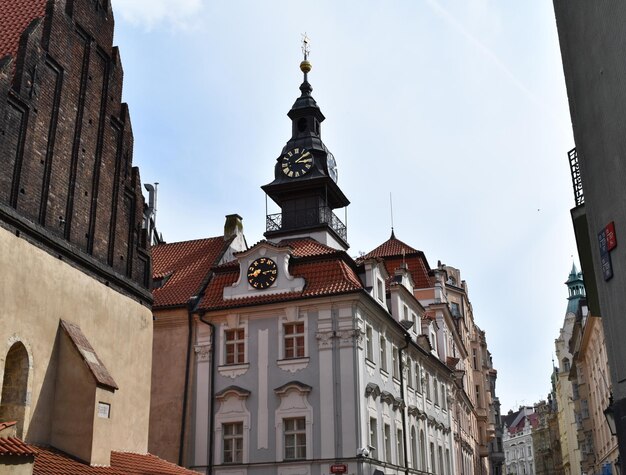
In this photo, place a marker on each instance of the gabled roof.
(16, 16)
(89, 356)
(50, 461)
(14, 446)
(185, 265)
(326, 271)
(391, 247)
(394, 253)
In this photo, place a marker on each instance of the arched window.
(423, 466)
(14, 397)
(413, 448)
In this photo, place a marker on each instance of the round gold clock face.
(296, 162)
(262, 273)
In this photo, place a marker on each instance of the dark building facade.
(592, 38)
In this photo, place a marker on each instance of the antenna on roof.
(391, 208)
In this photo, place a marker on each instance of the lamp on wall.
(610, 416)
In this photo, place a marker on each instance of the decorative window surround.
(293, 404)
(233, 370)
(293, 364)
(232, 409)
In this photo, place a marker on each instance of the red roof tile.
(16, 15)
(86, 351)
(303, 247)
(49, 461)
(188, 263)
(14, 446)
(394, 252)
(327, 273)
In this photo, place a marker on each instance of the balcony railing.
(579, 196)
(306, 218)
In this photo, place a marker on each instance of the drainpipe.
(183, 426)
(407, 339)
(211, 421)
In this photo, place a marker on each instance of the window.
(436, 385)
(474, 361)
(427, 384)
(373, 433)
(433, 466)
(413, 448)
(387, 436)
(369, 349)
(409, 376)
(529, 451)
(444, 397)
(295, 438)
(235, 346)
(455, 310)
(233, 442)
(406, 313)
(418, 379)
(478, 395)
(294, 340)
(383, 353)
(400, 447)
(396, 362)
(381, 290)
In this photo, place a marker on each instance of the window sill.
(370, 363)
(233, 370)
(293, 364)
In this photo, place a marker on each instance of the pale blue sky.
(457, 107)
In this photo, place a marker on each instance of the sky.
(455, 108)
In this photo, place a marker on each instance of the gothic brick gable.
(66, 143)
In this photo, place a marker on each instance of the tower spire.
(305, 66)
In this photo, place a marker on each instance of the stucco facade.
(41, 290)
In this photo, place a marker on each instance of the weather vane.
(306, 46)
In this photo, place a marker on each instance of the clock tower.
(305, 178)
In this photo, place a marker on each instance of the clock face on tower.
(296, 162)
(262, 273)
(332, 166)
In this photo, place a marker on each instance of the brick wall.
(66, 141)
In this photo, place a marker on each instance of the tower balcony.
(306, 218)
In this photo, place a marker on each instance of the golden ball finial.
(305, 67)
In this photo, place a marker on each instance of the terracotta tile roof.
(391, 247)
(16, 15)
(49, 461)
(188, 263)
(394, 252)
(325, 270)
(91, 359)
(304, 247)
(14, 446)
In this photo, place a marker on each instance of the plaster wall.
(35, 294)
(15, 465)
(169, 356)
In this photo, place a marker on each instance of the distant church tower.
(305, 178)
(576, 289)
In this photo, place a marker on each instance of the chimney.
(233, 226)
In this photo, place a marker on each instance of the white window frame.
(233, 438)
(233, 322)
(240, 339)
(369, 343)
(382, 341)
(292, 364)
(294, 432)
(294, 337)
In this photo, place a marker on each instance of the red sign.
(611, 239)
(338, 468)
